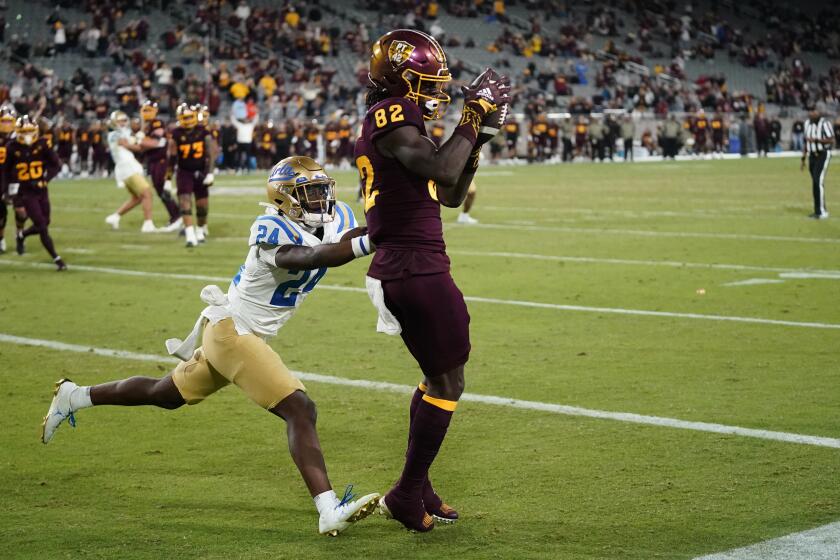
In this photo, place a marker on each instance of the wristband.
(361, 245)
(471, 119)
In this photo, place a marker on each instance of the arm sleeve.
(391, 114)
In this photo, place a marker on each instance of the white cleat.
(466, 219)
(174, 226)
(113, 220)
(148, 227)
(345, 514)
(59, 411)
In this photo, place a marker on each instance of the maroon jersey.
(5, 140)
(401, 208)
(30, 166)
(155, 129)
(192, 153)
(65, 139)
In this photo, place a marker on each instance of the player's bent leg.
(334, 515)
(300, 415)
(259, 371)
(191, 382)
(138, 391)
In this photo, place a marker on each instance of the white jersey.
(262, 296)
(125, 164)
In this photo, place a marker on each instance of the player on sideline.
(405, 178)
(302, 233)
(153, 147)
(7, 126)
(193, 150)
(128, 172)
(30, 165)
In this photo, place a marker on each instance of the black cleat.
(19, 244)
(60, 264)
(815, 216)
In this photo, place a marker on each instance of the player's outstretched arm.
(354, 244)
(453, 165)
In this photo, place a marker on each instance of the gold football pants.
(247, 361)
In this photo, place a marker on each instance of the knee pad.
(186, 211)
(201, 211)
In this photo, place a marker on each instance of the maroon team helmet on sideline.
(411, 64)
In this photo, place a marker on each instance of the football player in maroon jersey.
(155, 155)
(405, 178)
(193, 151)
(30, 165)
(7, 126)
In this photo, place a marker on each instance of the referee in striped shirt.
(819, 138)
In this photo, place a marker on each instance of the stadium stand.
(302, 61)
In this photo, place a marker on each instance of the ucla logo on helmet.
(301, 179)
(282, 173)
(399, 52)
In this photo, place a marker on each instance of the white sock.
(205, 229)
(80, 398)
(325, 501)
(189, 233)
(2, 243)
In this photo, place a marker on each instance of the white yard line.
(507, 402)
(813, 273)
(647, 233)
(822, 543)
(477, 299)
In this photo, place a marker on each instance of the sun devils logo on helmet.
(399, 52)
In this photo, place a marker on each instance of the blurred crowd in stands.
(283, 61)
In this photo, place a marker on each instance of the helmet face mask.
(119, 120)
(187, 116)
(411, 64)
(428, 93)
(8, 117)
(148, 111)
(299, 188)
(26, 131)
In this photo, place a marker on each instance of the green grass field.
(216, 481)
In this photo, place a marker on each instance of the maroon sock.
(428, 429)
(412, 408)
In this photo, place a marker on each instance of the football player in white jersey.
(128, 172)
(303, 232)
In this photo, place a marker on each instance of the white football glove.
(13, 188)
(167, 186)
(208, 179)
(120, 184)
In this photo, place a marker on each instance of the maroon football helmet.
(411, 64)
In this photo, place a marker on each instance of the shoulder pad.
(345, 218)
(274, 230)
(393, 113)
